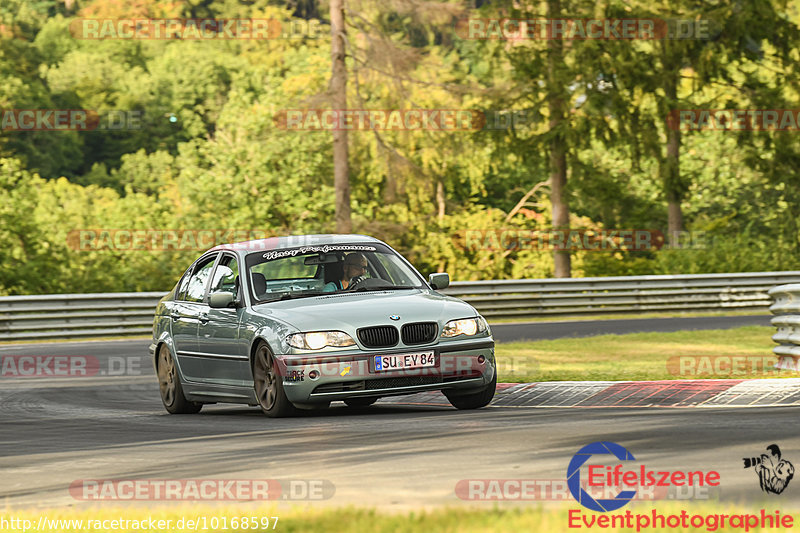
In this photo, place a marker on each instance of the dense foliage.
(201, 147)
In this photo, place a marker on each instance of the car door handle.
(175, 317)
(203, 319)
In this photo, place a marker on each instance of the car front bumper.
(466, 366)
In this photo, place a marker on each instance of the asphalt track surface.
(54, 431)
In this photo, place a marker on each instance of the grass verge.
(706, 354)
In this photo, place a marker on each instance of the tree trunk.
(556, 102)
(341, 168)
(558, 177)
(440, 201)
(673, 192)
(390, 185)
(670, 166)
(674, 220)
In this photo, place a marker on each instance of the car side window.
(226, 276)
(196, 287)
(180, 294)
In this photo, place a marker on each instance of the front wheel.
(269, 385)
(169, 384)
(476, 400)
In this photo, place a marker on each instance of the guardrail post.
(786, 308)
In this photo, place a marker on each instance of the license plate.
(404, 361)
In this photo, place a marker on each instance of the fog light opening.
(313, 374)
(481, 359)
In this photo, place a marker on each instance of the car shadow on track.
(340, 410)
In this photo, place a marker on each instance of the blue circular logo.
(574, 476)
(394, 317)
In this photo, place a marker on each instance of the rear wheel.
(169, 383)
(360, 402)
(475, 400)
(269, 385)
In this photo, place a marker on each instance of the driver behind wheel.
(353, 270)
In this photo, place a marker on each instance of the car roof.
(294, 241)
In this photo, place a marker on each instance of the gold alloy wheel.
(166, 375)
(266, 382)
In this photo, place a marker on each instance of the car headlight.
(465, 326)
(317, 340)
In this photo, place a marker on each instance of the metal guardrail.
(786, 308)
(624, 294)
(66, 316)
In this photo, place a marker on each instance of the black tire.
(360, 402)
(475, 400)
(269, 385)
(169, 383)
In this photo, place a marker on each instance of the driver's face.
(355, 270)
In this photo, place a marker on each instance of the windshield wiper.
(293, 295)
(308, 294)
(384, 288)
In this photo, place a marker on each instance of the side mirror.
(440, 280)
(223, 272)
(220, 299)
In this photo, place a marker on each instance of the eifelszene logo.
(609, 477)
(574, 476)
(774, 473)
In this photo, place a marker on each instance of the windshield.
(318, 270)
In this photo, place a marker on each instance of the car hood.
(349, 311)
